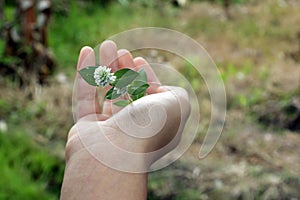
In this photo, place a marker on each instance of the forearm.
(87, 178)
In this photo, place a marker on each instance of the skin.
(86, 177)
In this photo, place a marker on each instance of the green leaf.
(139, 84)
(138, 96)
(142, 76)
(122, 103)
(121, 72)
(112, 94)
(124, 77)
(87, 74)
(137, 87)
(108, 94)
(136, 82)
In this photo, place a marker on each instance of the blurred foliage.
(222, 1)
(95, 2)
(32, 170)
(68, 33)
(281, 111)
(28, 171)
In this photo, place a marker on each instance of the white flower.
(103, 76)
(3, 126)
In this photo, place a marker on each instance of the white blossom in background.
(240, 75)
(103, 76)
(3, 126)
(181, 2)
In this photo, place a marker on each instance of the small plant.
(124, 82)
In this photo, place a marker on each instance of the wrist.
(87, 178)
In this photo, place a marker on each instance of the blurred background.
(255, 44)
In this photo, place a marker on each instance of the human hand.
(153, 121)
(128, 139)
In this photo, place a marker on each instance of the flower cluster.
(103, 76)
(124, 81)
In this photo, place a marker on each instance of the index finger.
(86, 95)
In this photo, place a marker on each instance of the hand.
(128, 139)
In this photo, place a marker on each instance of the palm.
(108, 129)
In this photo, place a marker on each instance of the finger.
(142, 63)
(108, 57)
(155, 85)
(125, 59)
(87, 101)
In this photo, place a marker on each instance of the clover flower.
(125, 81)
(103, 76)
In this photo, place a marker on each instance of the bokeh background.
(255, 44)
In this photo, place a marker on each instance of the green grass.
(30, 164)
(28, 171)
(31, 169)
(93, 25)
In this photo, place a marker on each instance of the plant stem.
(129, 98)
